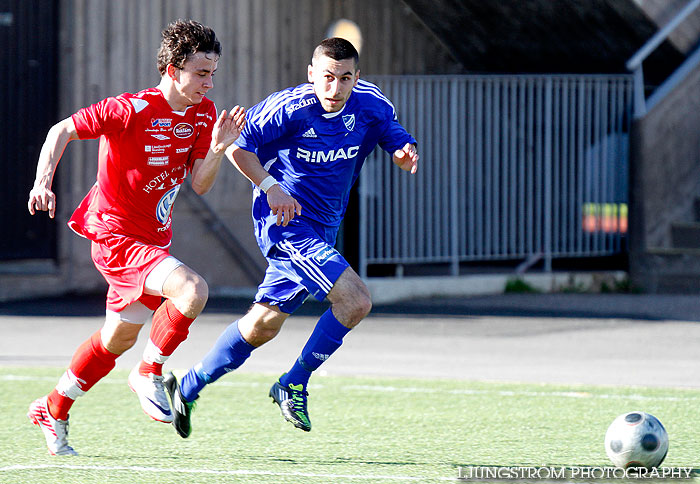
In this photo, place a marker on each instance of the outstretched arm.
(41, 197)
(407, 158)
(281, 203)
(226, 130)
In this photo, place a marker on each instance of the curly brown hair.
(183, 38)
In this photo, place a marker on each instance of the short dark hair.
(336, 48)
(183, 38)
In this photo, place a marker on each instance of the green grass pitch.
(365, 430)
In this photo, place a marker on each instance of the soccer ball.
(636, 439)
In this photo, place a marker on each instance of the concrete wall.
(665, 181)
(666, 164)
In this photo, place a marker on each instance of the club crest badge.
(349, 120)
(165, 205)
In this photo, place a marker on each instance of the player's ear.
(357, 77)
(310, 73)
(172, 72)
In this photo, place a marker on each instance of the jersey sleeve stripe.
(275, 103)
(268, 105)
(369, 88)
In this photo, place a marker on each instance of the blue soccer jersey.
(316, 156)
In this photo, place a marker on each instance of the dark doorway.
(28, 108)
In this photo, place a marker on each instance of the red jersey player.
(149, 143)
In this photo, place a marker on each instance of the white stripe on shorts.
(309, 269)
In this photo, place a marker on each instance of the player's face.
(333, 81)
(196, 77)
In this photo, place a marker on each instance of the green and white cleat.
(182, 409)
(292, 401)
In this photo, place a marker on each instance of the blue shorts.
(302, 263)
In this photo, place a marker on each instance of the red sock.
(168, 329)
(90, 363)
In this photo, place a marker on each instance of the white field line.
(237, 472)
(394, 389)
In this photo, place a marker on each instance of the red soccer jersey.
(146, 151)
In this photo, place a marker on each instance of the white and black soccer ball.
(636, 439)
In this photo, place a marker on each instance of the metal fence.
(530, 167)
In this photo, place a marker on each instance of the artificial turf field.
(365, 430)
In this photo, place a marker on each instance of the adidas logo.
(320, 356)
(310, 134)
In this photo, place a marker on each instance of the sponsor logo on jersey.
(206, 116)
(326, 156)
(166, 226)
(165, 205)
(158, 160)
(157, 183)
(156, 149)
(183, 130)
(301, 104)
(183, 150)
(161, 122)
(310, 133)
(161, 137)
(324, 254)
(349, 120)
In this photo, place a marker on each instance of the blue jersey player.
(303, 149)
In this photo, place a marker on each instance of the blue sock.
(326, 337)
(228, 353)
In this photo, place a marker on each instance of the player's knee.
(201, 293)
(119, 337)
(121, 329)
(121, 343)
(355, 309)
(265, 334)
(351, 302)
(258, 333)
(363, 305)
(261, 324)
(194, 296)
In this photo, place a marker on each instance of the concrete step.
(685, 235)
(671, 270)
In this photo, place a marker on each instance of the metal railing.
(530, 167)
(634, 64)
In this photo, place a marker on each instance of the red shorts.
(125, 263)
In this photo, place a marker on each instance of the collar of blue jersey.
(333, 115)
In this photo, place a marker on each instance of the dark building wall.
(666, 157)
(665, 185)
(28, 104)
